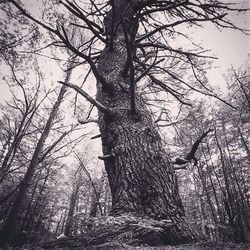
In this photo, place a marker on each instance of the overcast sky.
(230, 46)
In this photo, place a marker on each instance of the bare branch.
(179, 51)
(83, 167)
(165, 8)
(91, 25)
(146, 71)
(65, 40)
(180, 167)
(105, 157)
(191, 155)
(210, 93)
(188, 20)
(25, 13)
(96, 136)
(48, 150)
(87, 121)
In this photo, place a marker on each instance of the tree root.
(123, 231)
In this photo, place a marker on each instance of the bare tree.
(11, 227)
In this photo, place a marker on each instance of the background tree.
(11, 228)
(220, 178)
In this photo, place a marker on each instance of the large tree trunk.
(141, 176)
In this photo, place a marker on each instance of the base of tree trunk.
(126, 230)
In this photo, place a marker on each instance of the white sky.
(230, 46)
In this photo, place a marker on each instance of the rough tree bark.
(141, 176)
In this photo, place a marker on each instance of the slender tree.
(135, 46)
(72, 204)
(11, 228)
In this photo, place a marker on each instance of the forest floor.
(197, 246)
(122, 246)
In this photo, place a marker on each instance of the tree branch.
(146, 71)
(180, 167)
(169, 7)
(76, 11)
(191, 155)
(177, 23)
(178, 51)
(65, 40)
(168, 89)
(45, 154)
(97, 104)
(86, 121)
